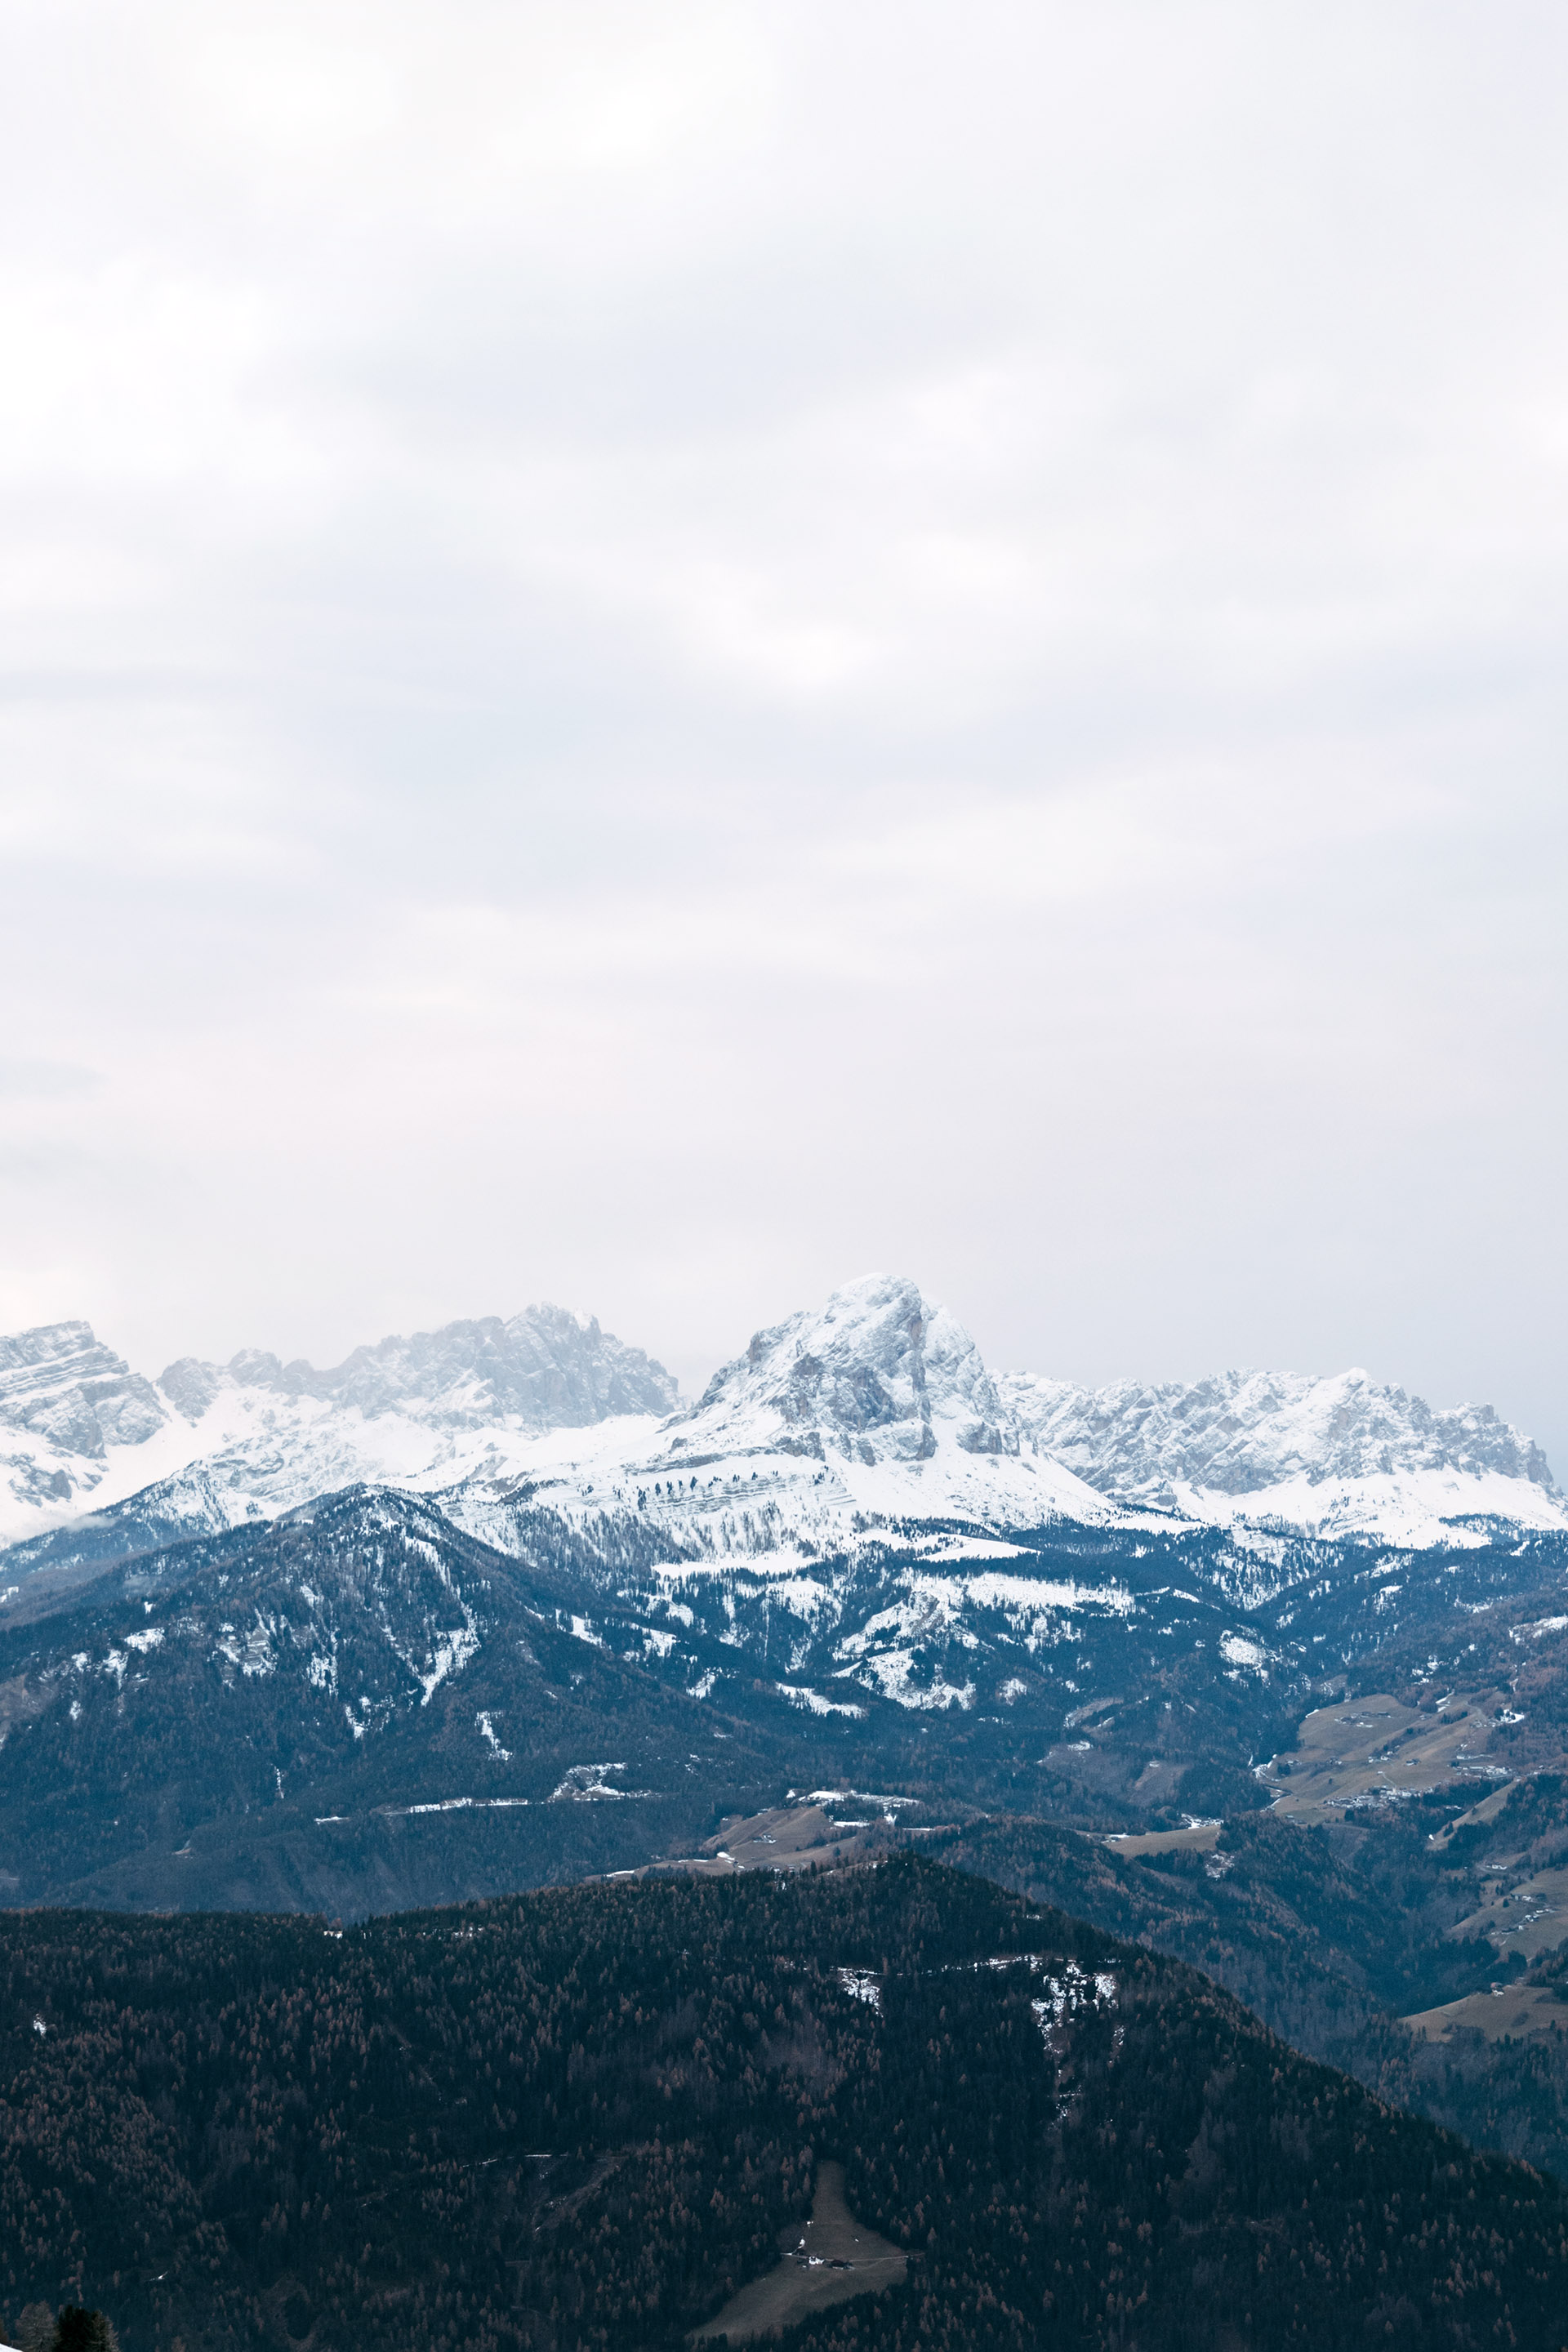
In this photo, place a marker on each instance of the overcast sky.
(657, 655)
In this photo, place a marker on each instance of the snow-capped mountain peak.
(877, 1375)
(65, 1400)
(544, 1368)
(859, 1419)
(228, 1443)
(1335, 1453)
(875, 1410)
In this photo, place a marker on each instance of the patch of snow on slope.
(895, 1674)
(860, 1985)
(449, 1654)
(814, 1702)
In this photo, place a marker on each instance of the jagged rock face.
(878, 1373)
(224, 1443)
(875, 1408)
(73, 1395)
(1245, 1432)
(544, 1368)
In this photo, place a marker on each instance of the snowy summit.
(874, 1409)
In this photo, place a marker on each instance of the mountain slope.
(237, 1716)
(584, 2118)
(355, 1706)
(271, 1696)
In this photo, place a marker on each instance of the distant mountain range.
(1332, 1456)
(875, 1409)
(216, 1445)
(495, 1607)
(398, 1575)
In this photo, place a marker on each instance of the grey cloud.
(23, 1081)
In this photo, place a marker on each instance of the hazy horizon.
(655, 654)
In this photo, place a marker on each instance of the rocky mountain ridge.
(1327, 1454)
(875, 1410)
(544, 1368)
(215, 1445)
(64, 1394)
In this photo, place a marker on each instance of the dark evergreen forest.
(1331, 1934)
(581, 2118)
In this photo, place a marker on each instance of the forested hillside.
(1332, 1935)
(582, 2117)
